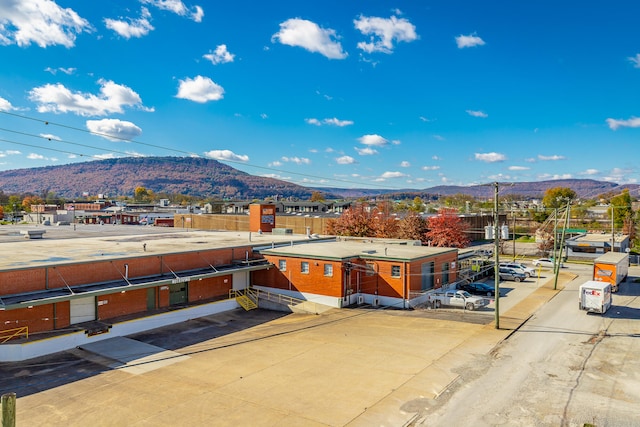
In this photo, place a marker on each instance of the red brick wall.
(63, 315)
(17, 281)
(209, 288)
(314, 282)
(37, 319)
(120, 304)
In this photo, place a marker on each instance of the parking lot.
(344, 367)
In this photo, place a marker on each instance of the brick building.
(350, 271)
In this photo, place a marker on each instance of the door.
(151, 298)
(82, 310)
(428, 270)
(178, 293)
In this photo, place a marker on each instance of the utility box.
(595, 297)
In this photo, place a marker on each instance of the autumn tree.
(28, 201)
(558, 197)
(417, 205)
(621, 207)
(356, 221)
(1, 212)
(412, 227)
(447, 230)
(316, 196)
(142, 195)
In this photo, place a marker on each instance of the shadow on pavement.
(47, 372)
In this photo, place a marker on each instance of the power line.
(181, 152)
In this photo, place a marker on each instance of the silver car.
(527, 271)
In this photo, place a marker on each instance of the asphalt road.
(563, 367)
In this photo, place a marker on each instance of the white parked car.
(528, 271)
(544, 262)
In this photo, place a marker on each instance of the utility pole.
(8, 410)
(613, 234)
(555, 231)
(556, 263)
(513, 214)
(496, 270)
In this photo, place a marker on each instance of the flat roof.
(340, 250)
(599, 237)
(93, 242)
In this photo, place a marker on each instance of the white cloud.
(530, 160)
(405, 164)
(519, 168)
(308, 35)
(632, 122)
(104, 156)
(131, 27)
(219, 56)
(331, 122)
(391, 175)
(468, 41)
(336, 122)
(425, 119)
(200, 89)
(34, 156)
(375, 140)
(67, 71)
(176, 6)
(435, 158)
(9, 153)
(548, 176)
(590, 172)
(430, 168)
(114, 129)
(111, 99)
(554, 158)
(263, 116)
(480, 114)
(50, 137)
(635, 60)
(367, 151)
(438, 137)
(6, 105)
(384, 32)
(345, 160)
(490, 157)
(296, 160)
(226, 155)
(42, 22)
(275, 164)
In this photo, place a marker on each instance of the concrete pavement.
(354, 367)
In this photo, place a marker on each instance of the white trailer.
(595, 296)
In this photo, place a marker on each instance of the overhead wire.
(178, 151)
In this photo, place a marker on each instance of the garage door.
(83, 310)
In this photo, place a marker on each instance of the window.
(304, 267)
(445, 273)
(395, 271)
(328, 270)
(282, 264)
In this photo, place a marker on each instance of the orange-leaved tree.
(447, 230)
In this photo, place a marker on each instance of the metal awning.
(49, 296)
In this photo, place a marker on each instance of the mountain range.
(208, 178)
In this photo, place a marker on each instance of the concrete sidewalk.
(344, 367)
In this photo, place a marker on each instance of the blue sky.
(379, 94)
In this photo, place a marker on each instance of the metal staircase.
(246, 298)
